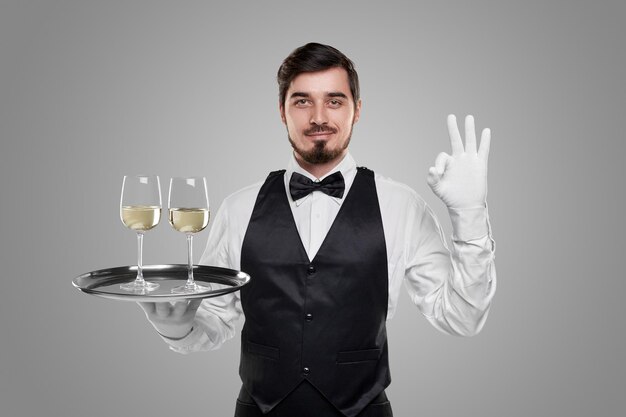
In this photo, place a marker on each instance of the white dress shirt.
(452, 289)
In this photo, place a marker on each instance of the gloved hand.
(172, 320)
(460, 179)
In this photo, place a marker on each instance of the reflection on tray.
(106, 282)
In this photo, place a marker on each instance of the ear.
(357, 111)
(281, 109)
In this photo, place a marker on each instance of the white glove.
(460, 180)
(172, 320)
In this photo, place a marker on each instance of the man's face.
(319, 112)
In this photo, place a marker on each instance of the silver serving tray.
(106, 282)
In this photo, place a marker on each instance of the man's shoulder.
(244, 196)
(395, 192)
(243, 200)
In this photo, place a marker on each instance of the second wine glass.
(188, 204)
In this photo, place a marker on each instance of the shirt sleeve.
(216, 317)
(453, 288)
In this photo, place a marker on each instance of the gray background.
(90, 91)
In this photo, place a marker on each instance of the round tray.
(106, 282)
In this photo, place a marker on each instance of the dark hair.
(315, 57)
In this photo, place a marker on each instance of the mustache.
(320, 129)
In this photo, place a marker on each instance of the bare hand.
(460, 179)
(172, 319)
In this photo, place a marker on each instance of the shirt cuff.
(186, 342)
(469, 223)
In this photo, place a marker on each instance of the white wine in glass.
(188, 213)
(140, 211)
(189, 220)
(141, 218)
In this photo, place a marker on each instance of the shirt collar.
(347, 167)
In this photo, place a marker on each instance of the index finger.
(455, 136)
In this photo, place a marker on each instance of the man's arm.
(454, 289)
(191, 326)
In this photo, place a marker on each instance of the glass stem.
(139, 280)
(190, 282)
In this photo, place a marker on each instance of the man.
(328, 246)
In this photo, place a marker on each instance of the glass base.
(140, 288)
(190, 289)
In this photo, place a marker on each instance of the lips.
(320, 131)
(320, 134)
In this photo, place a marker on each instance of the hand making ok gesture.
(460, 179)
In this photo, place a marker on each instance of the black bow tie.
(301, 186)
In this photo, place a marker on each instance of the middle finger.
(470, 134)
(163, 309)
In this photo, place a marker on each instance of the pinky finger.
(147, 307)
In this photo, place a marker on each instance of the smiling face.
(319, 112)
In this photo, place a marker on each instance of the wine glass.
(188, 213)
(140, 211)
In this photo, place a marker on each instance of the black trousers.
(306, 401)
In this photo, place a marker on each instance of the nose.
(318, 116)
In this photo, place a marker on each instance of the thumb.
(194, 305)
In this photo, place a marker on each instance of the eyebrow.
(307, 95)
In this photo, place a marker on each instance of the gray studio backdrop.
(90, 91)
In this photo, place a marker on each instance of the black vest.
(321, 320)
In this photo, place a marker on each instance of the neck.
(319, 170)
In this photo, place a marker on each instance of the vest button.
(311, 269)
(308, 317)
(306, 370)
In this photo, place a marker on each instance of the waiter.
(328, 246)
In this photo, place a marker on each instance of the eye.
(301, 102)
(335, 103)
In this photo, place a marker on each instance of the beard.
(320, 154)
